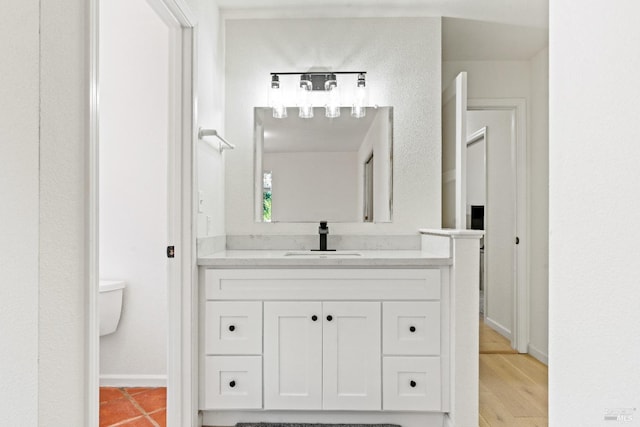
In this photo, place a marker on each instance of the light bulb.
(358, 109)
(332, 109)
(276, 99)
(305, 108)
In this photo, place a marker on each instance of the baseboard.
(541, 356)
(498, 328)
(446, 422)
(133, 380)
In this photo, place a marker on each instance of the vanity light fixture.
(318, 81)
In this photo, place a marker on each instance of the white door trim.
(92, 354)
(520, 327)
(457, 91)
(181, 360)
(479, 135)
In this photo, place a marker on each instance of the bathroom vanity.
(348, 336)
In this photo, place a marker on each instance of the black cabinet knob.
(232, 384)
(412, 383)
(314, 317)
(329, 318)
(232, 328)
(412, 328)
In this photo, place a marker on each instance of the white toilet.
(110, 305)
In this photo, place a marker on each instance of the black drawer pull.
(232, 328)
(412, 328)
(232, 384)
(314, 317)
(329, 318)
(412, 384)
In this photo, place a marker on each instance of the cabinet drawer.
(411, 328)
(411, 384)
(233, 382)
(322, 284)
(233, 327)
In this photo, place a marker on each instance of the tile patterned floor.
(133, 407)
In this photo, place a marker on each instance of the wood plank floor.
(513, 387)
(492, 342)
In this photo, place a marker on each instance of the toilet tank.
(110, 305)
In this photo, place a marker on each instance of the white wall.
(19, 169)
(311, 185)
(64, 99)
(594, 183)
(210, 110)
(528, 80)
(134, 105)
(539, 206)
(402, 60)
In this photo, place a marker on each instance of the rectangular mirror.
(322, 169)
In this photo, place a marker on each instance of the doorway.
(140, 203)
(135, 212)
(496, 187)
(455, 108)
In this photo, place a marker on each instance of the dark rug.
(311, 425)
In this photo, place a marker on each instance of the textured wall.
(19, 144)
(210, 111)
(64, 103)
(594, 182)
(402, 60)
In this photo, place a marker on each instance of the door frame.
(481, 134)
(520, 312)
(457, 91)
(181, 289)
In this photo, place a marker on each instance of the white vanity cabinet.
(324, 339)
(322, 355)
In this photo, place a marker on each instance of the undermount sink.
(323, 253)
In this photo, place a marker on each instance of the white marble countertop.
(309, 259)
(452, 232)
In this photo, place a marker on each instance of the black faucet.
(323, 231)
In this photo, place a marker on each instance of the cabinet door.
(351, 355)
(292, 355)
